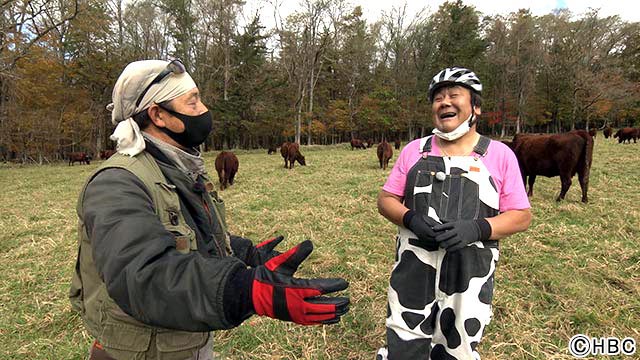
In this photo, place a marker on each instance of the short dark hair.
(142, 118)
(476, 99)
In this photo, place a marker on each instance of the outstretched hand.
(264, 251)
(277, 294)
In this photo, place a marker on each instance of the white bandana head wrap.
(133, 80)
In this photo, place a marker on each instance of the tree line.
(321, 75)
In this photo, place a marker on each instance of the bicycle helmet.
(455, 76)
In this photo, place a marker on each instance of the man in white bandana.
(157, 270)
(453, 195)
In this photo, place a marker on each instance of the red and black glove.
(257, 255)
(277, 294)
(262, 252)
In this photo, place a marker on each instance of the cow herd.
(627, 134)
(549, 155)
(83, 157)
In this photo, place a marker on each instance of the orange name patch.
(474, 169)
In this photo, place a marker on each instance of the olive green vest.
(121, 335)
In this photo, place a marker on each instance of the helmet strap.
(473, 118)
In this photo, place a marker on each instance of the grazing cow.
(357, 144)
(384, 154)
(293, 155)
(370, 143)
(561, 155)
(272, 149)
(626, 134)
(227, 167)
(397, 144)
(105, 154)
(80, 157)
(607, 132)
(593, 133)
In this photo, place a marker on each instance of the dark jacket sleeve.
(143, 272)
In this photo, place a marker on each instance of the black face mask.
(196, 128)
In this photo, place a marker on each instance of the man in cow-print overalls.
(452, 195)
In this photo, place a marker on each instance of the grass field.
(576, 270)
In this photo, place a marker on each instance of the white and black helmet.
(455, 76)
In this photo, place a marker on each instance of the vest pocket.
(185, 238)
(460, 200)
(172, 218)
(127, 338)
(469, 204)
(179, 344)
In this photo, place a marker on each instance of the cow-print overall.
(439, 302)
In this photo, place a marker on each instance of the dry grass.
(577, 269)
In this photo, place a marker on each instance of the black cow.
(561, 155)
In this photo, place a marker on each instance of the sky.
(628, 10)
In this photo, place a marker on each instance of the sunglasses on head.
(175, 66)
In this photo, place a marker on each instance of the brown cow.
(607, 132)
(397, 144)
(105, 154)
(626, 134)
(370, 143)
(272, 149)
(227, 167)
(593, 133)
(508, 143)
(80, 157)
(284, 151)
(357, 144)
(384, 154)
(293, 155)
(561, 155)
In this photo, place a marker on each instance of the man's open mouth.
(447, 115)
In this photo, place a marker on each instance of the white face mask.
(455, 133)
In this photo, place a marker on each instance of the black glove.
(257, 255)
(422, 226)
(455, 235)
(277, 294)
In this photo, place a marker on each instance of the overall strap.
(482, 145)
(426, 148)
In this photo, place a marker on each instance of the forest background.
(321, 75)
